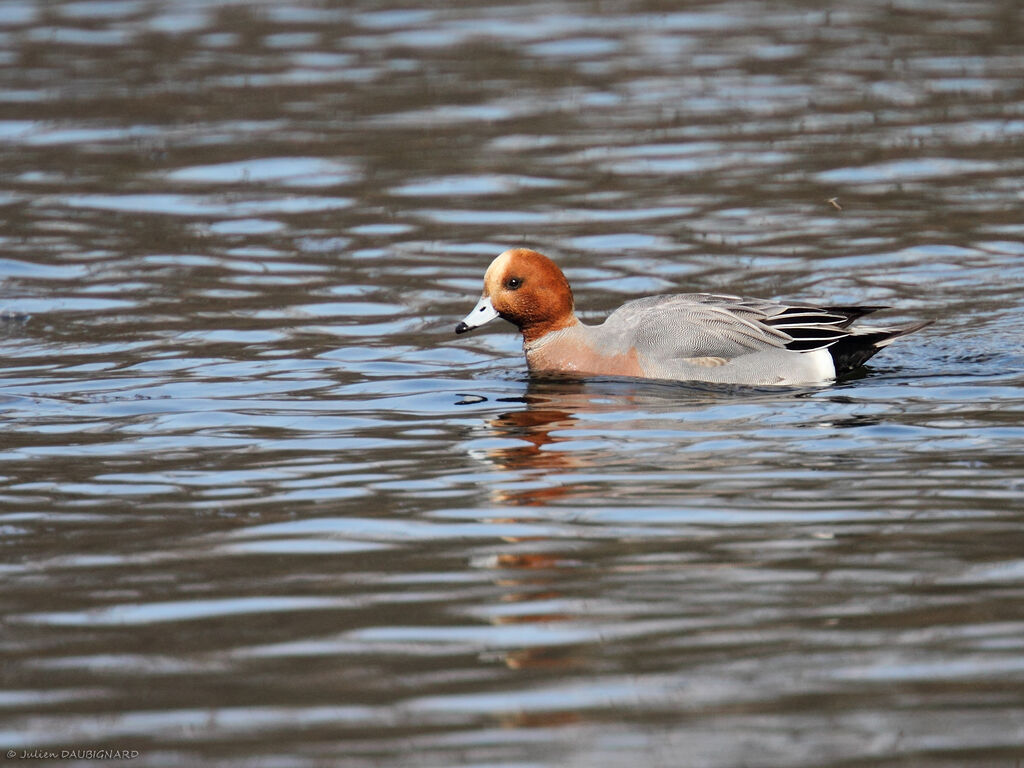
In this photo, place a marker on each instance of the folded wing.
(711, 329)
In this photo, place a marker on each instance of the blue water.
(261, 506)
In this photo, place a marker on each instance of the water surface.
(261, 507)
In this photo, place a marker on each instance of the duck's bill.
(482, 313)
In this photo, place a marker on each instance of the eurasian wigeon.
(683, 337)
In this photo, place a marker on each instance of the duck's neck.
(535, 333)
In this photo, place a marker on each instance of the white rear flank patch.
(822, 367)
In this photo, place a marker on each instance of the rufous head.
(527, 289)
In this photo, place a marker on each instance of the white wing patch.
(705, 362)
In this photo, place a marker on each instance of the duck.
(688, 337)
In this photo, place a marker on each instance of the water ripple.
(261, 505)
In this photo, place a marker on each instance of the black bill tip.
(461, 328)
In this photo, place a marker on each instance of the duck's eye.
(513, 282)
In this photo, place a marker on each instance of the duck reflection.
(546, 581)
(556, 408)
(563, 410)
(542, 571)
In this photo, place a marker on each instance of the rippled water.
(261, 507)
